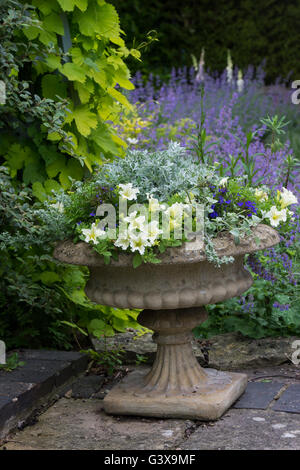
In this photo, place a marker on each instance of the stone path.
(41, 379)
(266, 417)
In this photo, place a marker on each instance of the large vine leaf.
(69, 5)
(85, 120)
(73, 72)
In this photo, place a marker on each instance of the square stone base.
(209, 403)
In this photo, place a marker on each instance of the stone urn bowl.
(172, 296)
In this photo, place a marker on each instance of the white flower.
(139, 242)
(287, 198)
(223, 181)
(275, 216)
(153, 231)
(132, 141)
(128, 192)
(123, 241)
(175, 210)
(59, 206)
(261, 195)
(93, 233)
(135, 222)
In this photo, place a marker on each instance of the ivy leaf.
(85, 120)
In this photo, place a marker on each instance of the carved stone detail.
(175, 371)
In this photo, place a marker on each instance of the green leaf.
(73, 72)
(39, 191)
(85, 119)
(57, 166)
(119, 97)
(69, 5)
(47, 37)
(52, 185)
(33, 172)
(73, 325)
(53, 85)
(53, 23)
(137, 260)
(49, 277)
(17, 155)
(53, 61)
(74, 169)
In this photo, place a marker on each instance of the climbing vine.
(64, 71)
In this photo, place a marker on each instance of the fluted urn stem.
(176, 370)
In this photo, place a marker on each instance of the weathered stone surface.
(82, 425)
(259, 395)
(233, 350)
(248, 430)
(209, 400)
(87, 386)
(289, 400)
(49, 355)
(83, 254)
(25, 389)
(227, 352)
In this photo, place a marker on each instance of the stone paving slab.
(87, 386)
(24, 389)
(81, 424)
(259, 395)
(289, 400)
(248, 430)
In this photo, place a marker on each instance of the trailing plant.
(161, 189)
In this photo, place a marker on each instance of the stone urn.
(172, 296)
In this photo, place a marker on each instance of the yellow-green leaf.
(53, 23)
(73, 72)
(119, 97)
(85, 119)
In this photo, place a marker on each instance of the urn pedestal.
(172, 295)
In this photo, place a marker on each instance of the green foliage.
(253, 32)
(271, 306)
(12, 363)
(110, 360)
(61, 63)
(41, 299)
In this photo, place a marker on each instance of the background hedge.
(253, 31)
